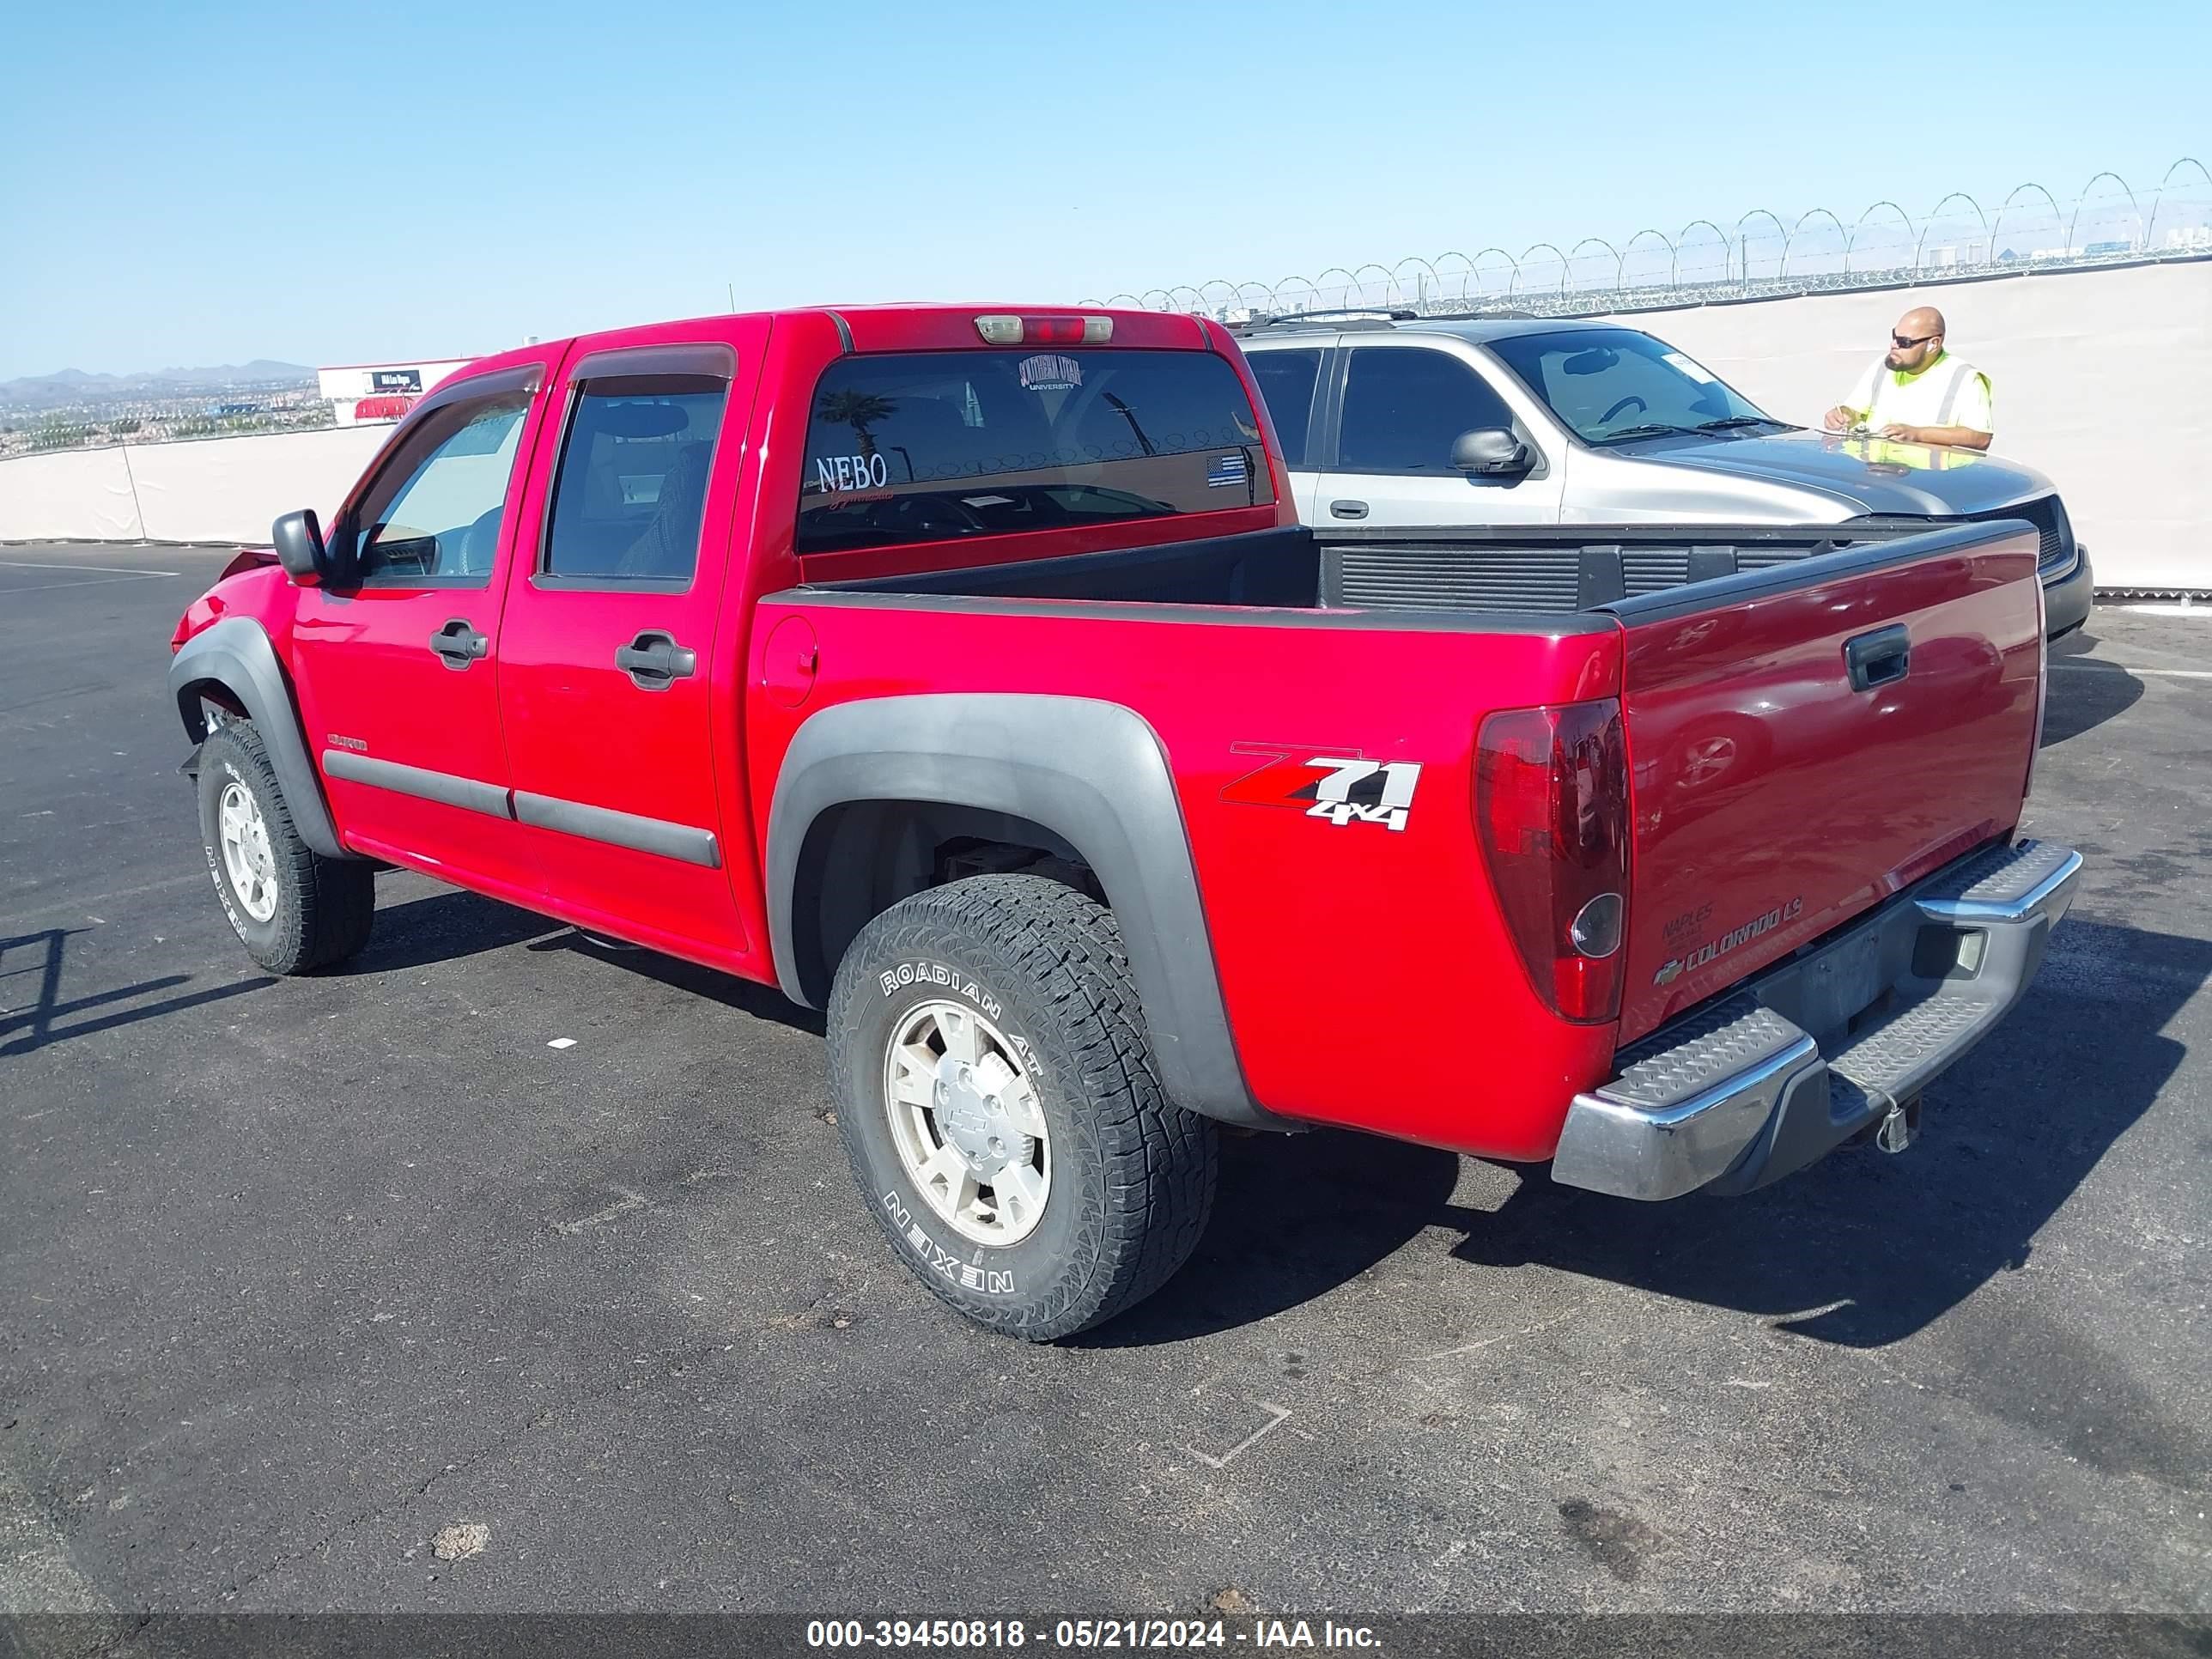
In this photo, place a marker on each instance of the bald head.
(1922, 327)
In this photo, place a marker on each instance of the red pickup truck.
(966, 672)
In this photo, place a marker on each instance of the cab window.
(432, 517)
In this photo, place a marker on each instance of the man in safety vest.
(1919, 393)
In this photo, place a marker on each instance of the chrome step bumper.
(1739, 1093)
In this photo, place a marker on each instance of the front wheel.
(293, 909)
(996, 1094)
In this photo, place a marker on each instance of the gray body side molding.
(1093, 774)
(602, 823)
(441, 786)
(236, 654)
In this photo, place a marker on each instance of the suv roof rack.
(1490, 316)
(1344, 316)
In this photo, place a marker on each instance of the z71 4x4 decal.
(1340, 788)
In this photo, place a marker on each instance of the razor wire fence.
(1761, 256)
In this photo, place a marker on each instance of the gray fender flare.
(236, 654)
(1092, 773)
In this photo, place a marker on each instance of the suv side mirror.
(299, 548)
(1491, 451)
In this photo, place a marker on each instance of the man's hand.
(1839, 419)
(1954, 437)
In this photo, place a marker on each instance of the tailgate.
(1805, 741)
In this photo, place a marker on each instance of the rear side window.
(631, 489)
(1286, 384)
(936, 445)
(1403, 406)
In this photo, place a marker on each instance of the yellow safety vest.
(1950, 392)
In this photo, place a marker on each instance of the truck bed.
(1562, 568)
(1528, 570)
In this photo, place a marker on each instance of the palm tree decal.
(858, 409)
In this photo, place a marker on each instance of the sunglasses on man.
(1906, 341)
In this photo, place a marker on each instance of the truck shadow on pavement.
(1862, 1249)
(445, 926)
(2082, 698)
(34, 961)
(761, 1001)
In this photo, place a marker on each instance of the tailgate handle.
(1882, 658)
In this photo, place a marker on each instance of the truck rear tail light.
(1551, 807)
(1008, 330)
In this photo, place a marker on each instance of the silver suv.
(1402, 421)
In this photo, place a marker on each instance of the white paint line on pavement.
(106, 569)
(108, 581)
(1491, 1342)
(62, 906)
(1276, 1417)
(2121, 668)
(622, 1206)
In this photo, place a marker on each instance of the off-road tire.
(324, 906)
(1133, 1174)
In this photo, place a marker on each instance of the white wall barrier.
(2104, 381)
(229, 488)
(69, 494)
(206, 489)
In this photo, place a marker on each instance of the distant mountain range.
(70, 386)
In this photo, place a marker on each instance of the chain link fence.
(2107, 222)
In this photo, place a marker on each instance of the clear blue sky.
(188, 184)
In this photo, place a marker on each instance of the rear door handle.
(1348, 509)
(1882, 658)
(459, 644)
(654, 661)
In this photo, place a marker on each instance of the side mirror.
(299, 548)
(1491, 451)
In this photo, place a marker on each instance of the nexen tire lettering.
(989, 1281)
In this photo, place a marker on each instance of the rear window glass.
(937, 446)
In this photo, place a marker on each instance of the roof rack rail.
(1504, 315)
(1348, 316)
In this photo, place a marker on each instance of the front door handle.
(654, 661)
(1882, 658)
(1348, 509)
(458, 643)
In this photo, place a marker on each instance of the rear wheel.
(293, 909)
(997, 1097)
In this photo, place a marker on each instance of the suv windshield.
(1612, 385)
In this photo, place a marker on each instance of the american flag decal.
(1225, 471)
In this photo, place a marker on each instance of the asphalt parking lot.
(295, 1275)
